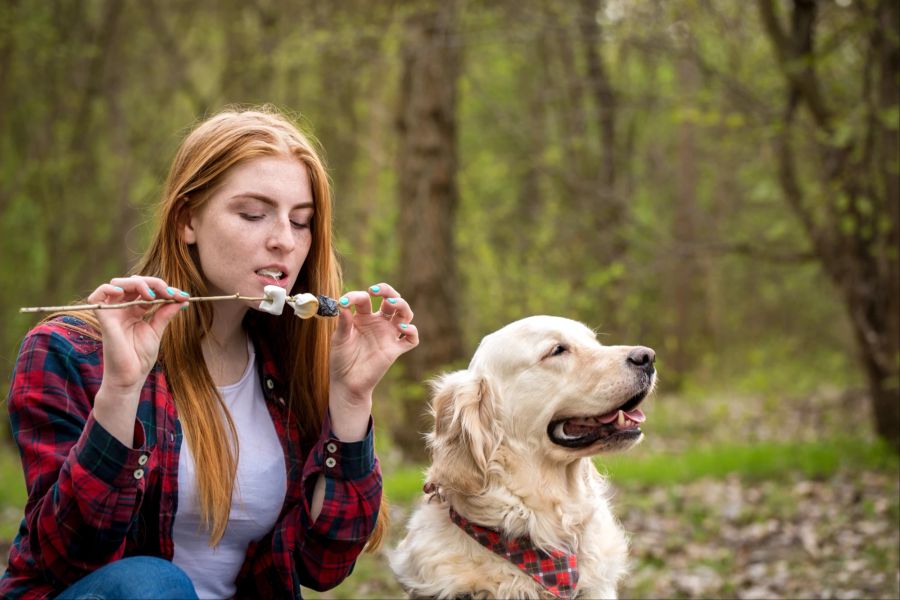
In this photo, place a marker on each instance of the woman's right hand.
(130, 346)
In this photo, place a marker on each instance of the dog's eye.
(558, 349)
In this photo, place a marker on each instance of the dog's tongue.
(585, 425)
(634, 414)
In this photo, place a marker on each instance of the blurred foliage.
(707, 265)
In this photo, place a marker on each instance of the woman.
(208, 448)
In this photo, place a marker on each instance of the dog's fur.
(494, 462)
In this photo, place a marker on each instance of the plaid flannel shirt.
(93, 500)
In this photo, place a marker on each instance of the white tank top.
(257, 499)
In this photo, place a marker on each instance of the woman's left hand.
(363, 348)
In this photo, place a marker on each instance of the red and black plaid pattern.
(556, 571)
(92, 500)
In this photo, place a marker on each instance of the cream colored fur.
(494, 463)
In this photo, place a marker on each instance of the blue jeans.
(136, 577)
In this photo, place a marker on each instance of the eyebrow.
(269, 201)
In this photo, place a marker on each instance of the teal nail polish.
(152, 293)
(170, 291)
(375, 289)
(345, 301)
(183, 293)
(118, 288)
(392, 300)
(403, 325)
(185, 307)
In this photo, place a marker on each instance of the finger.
(159, 286)
(396, 308)
(409, 337)
(164, 315)
(106, 293)
(345, 322)
(150, 288)
(138, 287)
(358, 300)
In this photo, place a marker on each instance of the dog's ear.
(465, 434)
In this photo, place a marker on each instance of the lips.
(273, 275)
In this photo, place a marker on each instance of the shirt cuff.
(105, 457)
(348, 460)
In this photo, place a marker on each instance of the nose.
(282, 236)
(643, 358)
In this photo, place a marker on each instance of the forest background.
(717, 180)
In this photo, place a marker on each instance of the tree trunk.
(427, 165)
(856, 244)
(684, 284)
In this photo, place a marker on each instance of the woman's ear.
(186, 222)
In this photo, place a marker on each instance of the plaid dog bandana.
(556, 571)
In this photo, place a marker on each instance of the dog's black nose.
(642, 357)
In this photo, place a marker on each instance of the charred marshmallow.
(274, 302)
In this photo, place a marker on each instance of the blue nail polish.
(183, 293)
(152, 293)
(392, 300)
(118, 288)
(345, 301)
(403, 325)
(170, 291)
(375, 289)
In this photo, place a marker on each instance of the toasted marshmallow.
(304, 305)
(274, 302)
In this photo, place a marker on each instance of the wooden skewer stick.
(73, 307)
(324, 305)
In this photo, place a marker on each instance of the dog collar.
(556, 571)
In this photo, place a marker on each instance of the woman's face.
(254, 230)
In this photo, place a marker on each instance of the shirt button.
(142, 460)
(171, 437)
(269, 383)
(332, 447)
(138, 473)
(330, 462)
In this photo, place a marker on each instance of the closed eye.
(558, 350)
(297, 225)
(251, 217)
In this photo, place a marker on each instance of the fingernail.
(403, 325)
(185, 307)
(118, 288)
(183, 293)
(392, 300)
(375, 289)
(152, 293)
(170, 291)
(345, 301)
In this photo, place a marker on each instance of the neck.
(226, 327)
(225, 345)
(554, 512)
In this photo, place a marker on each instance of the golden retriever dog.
(513, 505)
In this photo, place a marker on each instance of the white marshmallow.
(274, 302)
(304, 305)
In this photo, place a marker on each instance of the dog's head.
(543, 386)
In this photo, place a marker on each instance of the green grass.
(764, 460)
